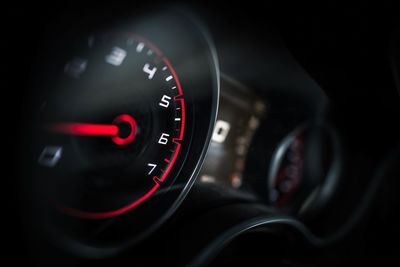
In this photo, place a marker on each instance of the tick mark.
(168, 78)
(139, 47)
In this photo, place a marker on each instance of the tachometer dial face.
(113, 133)
(123, 116)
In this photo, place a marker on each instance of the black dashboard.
(188, 134)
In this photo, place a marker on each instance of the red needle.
(88, 129)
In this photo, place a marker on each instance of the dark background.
(345, 47)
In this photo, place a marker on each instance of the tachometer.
(124, 118)
(114, 133)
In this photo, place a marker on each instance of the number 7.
(152, 166)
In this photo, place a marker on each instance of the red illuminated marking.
(156, 180)
(174, 157)
(183, 116)
(180, 99)
(88, 129)
(125, 118)
(166, 160)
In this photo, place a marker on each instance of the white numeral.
(163, 139)
(221, 131)
(152, 166)
(150, 72)
(165, 101)
(116, 56)
(50, 156)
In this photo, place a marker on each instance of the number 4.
(149, 71)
